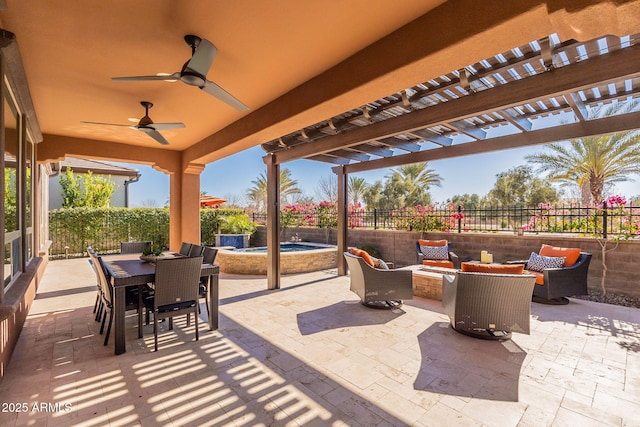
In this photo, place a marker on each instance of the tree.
(594, 162)
(88, 191)
(518, 186)
(257, 195)
(416, 179)
(356, 189)
(467, 201)
(405, 186)
(327, 189)
(372, 195)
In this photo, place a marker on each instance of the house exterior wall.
(623, 263)
(117, 199)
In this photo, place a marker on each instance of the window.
(12, 234)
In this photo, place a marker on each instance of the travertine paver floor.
(309, 354)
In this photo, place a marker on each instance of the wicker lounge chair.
(378, 288)
(452, 260)
(486, 305)
(553, 285)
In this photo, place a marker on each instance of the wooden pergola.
(496, 104)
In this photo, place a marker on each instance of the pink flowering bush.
(621, 220)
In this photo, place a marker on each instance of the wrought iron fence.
(601, 221)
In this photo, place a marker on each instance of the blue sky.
(233, 175)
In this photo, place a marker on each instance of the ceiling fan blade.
(105, 124)
(153, 134)
(202, 58)
(165, 126)
(213, 89)
(174, 76)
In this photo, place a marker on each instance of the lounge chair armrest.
(455, 259)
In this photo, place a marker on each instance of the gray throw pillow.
(539, 263)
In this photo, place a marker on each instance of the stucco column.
(184, 206)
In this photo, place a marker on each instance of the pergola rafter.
(516, 88)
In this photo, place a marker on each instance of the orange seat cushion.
(493, 268)
(438, 263)
(539, 276)
(570, 255)
(364, 255)
(432, 242)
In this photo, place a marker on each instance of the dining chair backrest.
(177, 281)
(185, 248)
(134, 247)
(107, 292)
(196, 250)
(92, 255)
(209, 255)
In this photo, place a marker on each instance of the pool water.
(288, 247)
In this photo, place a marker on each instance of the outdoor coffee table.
(427, 280)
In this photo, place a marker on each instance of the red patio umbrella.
(210, 201)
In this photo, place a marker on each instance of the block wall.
(623, 262)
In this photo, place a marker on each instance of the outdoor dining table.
(129, 270)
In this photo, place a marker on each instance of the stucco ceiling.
(294, 63)
(71, 49)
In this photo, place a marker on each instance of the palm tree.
(419, 174)
(594, 162)
(356, 189)
(257, 194)
(416, 178)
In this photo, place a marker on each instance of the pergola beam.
(603, 126)
(617, 65)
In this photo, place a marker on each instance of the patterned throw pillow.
(538, 262)
(435, 252)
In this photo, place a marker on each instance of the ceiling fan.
(147, 125)
(194, 72)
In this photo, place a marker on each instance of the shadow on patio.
(310, 354)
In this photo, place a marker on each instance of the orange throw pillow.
(364, 255)
(438, 263)
(432, 242)
(570, 255)
(492, 268)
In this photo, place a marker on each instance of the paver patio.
(311, 354)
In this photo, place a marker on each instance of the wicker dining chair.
(176, 292)
(134, 247)
(185, 248)
(208, 257)
(132, 299)
(196, 250)
(97, 307)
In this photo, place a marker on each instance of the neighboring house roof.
(97, 167)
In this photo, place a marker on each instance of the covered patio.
(313, 355)
(303, 351)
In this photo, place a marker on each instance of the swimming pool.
(289, 247)
(300, 257)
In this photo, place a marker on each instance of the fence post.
(459, 219)
(604, 220)
(375, 218)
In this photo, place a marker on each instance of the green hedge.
(73, 229)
